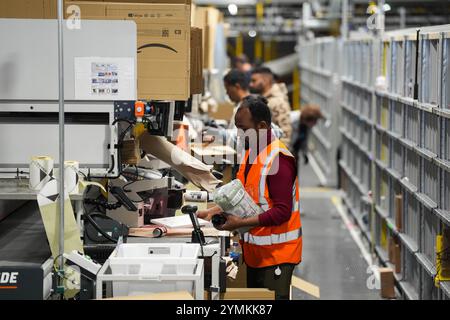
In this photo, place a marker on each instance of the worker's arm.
(281, 194)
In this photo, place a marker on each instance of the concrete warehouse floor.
(331, 258)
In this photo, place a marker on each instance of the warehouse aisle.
(331, 258)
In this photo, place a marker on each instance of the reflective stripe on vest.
(262, 183)
(273, 238)
(295, 204)
(262, 199)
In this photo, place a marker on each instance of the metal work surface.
(15, 189)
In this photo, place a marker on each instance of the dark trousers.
(266, 278)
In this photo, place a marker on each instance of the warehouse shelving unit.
(320, 84)
(409, 158)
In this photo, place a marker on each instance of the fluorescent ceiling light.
(233, 9)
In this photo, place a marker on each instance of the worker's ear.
(262, 125)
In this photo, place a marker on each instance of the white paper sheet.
(104, 78)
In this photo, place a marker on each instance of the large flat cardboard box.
(47, 9)
(387, 283)
(248, 294)
(164, 37)
(207, 19)
(22, 9)
(145, 1)
(395, 253)
(244, 294)
(196, 61)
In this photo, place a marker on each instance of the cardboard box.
(143, 1)
(248, 294)
(398, 205)
(163, 33)
(196, 61)
(244, 294)
(164, 39)
(22, 9)
(395, 253)
(207, 19)
(241, 277)
(387, 283)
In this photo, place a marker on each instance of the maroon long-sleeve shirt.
(280, 190)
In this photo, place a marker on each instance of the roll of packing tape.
(71, 176)
(196, 196)
(41, 171)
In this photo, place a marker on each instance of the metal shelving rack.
(410, 151)
(320, 84)
(410, 154)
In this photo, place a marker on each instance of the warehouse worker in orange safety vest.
(272, 246)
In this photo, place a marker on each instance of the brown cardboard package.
(163, 32)
(47, 9)
(22, 9)
(244, 294)
(163, 37)
(207, 19)
(248, 294)
(395, 253)
(398, 205)
(387, 283)
(196, 61)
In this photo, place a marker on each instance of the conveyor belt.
(22, 237)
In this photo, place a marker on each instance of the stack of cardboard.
(167, 70)
(207, 19)
(196, 61)
(28, 9)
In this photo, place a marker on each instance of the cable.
(97, 227)
(92, 221)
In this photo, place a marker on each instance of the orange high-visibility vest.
(274, 245)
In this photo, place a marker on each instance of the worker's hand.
(233, 223)
(205, 214)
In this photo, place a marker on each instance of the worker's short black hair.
(258, 108)
(262, 70)
(241, 59)
(237, 77)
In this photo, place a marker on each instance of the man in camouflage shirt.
(263, 83)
